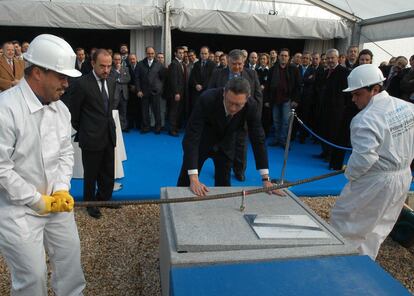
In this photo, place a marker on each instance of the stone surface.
(209, 232)
(219, 225)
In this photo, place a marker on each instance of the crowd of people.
(221, 98)
(151, 95)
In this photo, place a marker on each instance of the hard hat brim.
(71, 73)
(349, 89)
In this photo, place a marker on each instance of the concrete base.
(212, 232)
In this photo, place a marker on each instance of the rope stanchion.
(287, 146)
(319, 137)
(244, 193)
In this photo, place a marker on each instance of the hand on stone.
(267, 184)
(198, 188)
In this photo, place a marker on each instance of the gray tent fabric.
(281, 19)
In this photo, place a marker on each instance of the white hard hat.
(363, 76)
(53, 53)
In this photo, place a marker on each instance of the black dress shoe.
(157, 130)
(125, 130)
(94, 212)
(240, 177)
(145, 130)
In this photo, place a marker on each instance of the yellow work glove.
(44, 205)
(63, 202)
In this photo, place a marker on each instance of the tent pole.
(166, 32)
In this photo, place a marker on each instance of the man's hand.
(140, 94)
(267, 184)
(177, 97)
(63, 202)
(198, 87)
(197, 187)
(44, 205)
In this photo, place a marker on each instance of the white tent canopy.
(316, 21)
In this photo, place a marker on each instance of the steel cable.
(110, 203)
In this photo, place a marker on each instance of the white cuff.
(192, 172)
(60, 187)
(264, 172)
(36, 198)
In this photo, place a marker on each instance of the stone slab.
(214, 232)
(219, 225)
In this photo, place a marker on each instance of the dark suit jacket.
(200, 76)
(293, 81)
(176, 79)
(221, 76)
(207, 130)
(85, 68)
(122, 79)
(309, 82)
(335, 104)
(95, 127)
(149, 80)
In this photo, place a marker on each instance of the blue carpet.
(154, 161)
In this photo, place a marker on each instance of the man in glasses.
(211, 133)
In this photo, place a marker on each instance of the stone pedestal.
(210, 232)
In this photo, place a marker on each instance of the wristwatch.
(266, 179)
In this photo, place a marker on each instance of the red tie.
(329, 72)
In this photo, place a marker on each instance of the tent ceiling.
(269, 18)
(367, 9)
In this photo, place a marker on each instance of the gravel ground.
(120, 251)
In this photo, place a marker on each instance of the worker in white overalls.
(36, 160)
(382, 137)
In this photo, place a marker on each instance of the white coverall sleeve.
(65, 169)
(19, 191)
(365, 142)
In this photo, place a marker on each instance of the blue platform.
(154, 161)
(339, 276)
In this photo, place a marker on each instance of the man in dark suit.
(212, 130)
(91, 108)
(177, 73)
(148, 83)
(337, 110)
(122, 76)
(309, 100)
(219, 79)
(134, 104)
(82, 64)
(200, 76)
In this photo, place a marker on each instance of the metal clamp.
(243, 202)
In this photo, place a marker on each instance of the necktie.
(105, 96)
(11, 64)
(329, 72)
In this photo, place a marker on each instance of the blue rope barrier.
(320, 138)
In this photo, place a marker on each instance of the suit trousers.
(222, 168)
(240, 152)
(98, 170)
(153, 101)
(176, 113)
